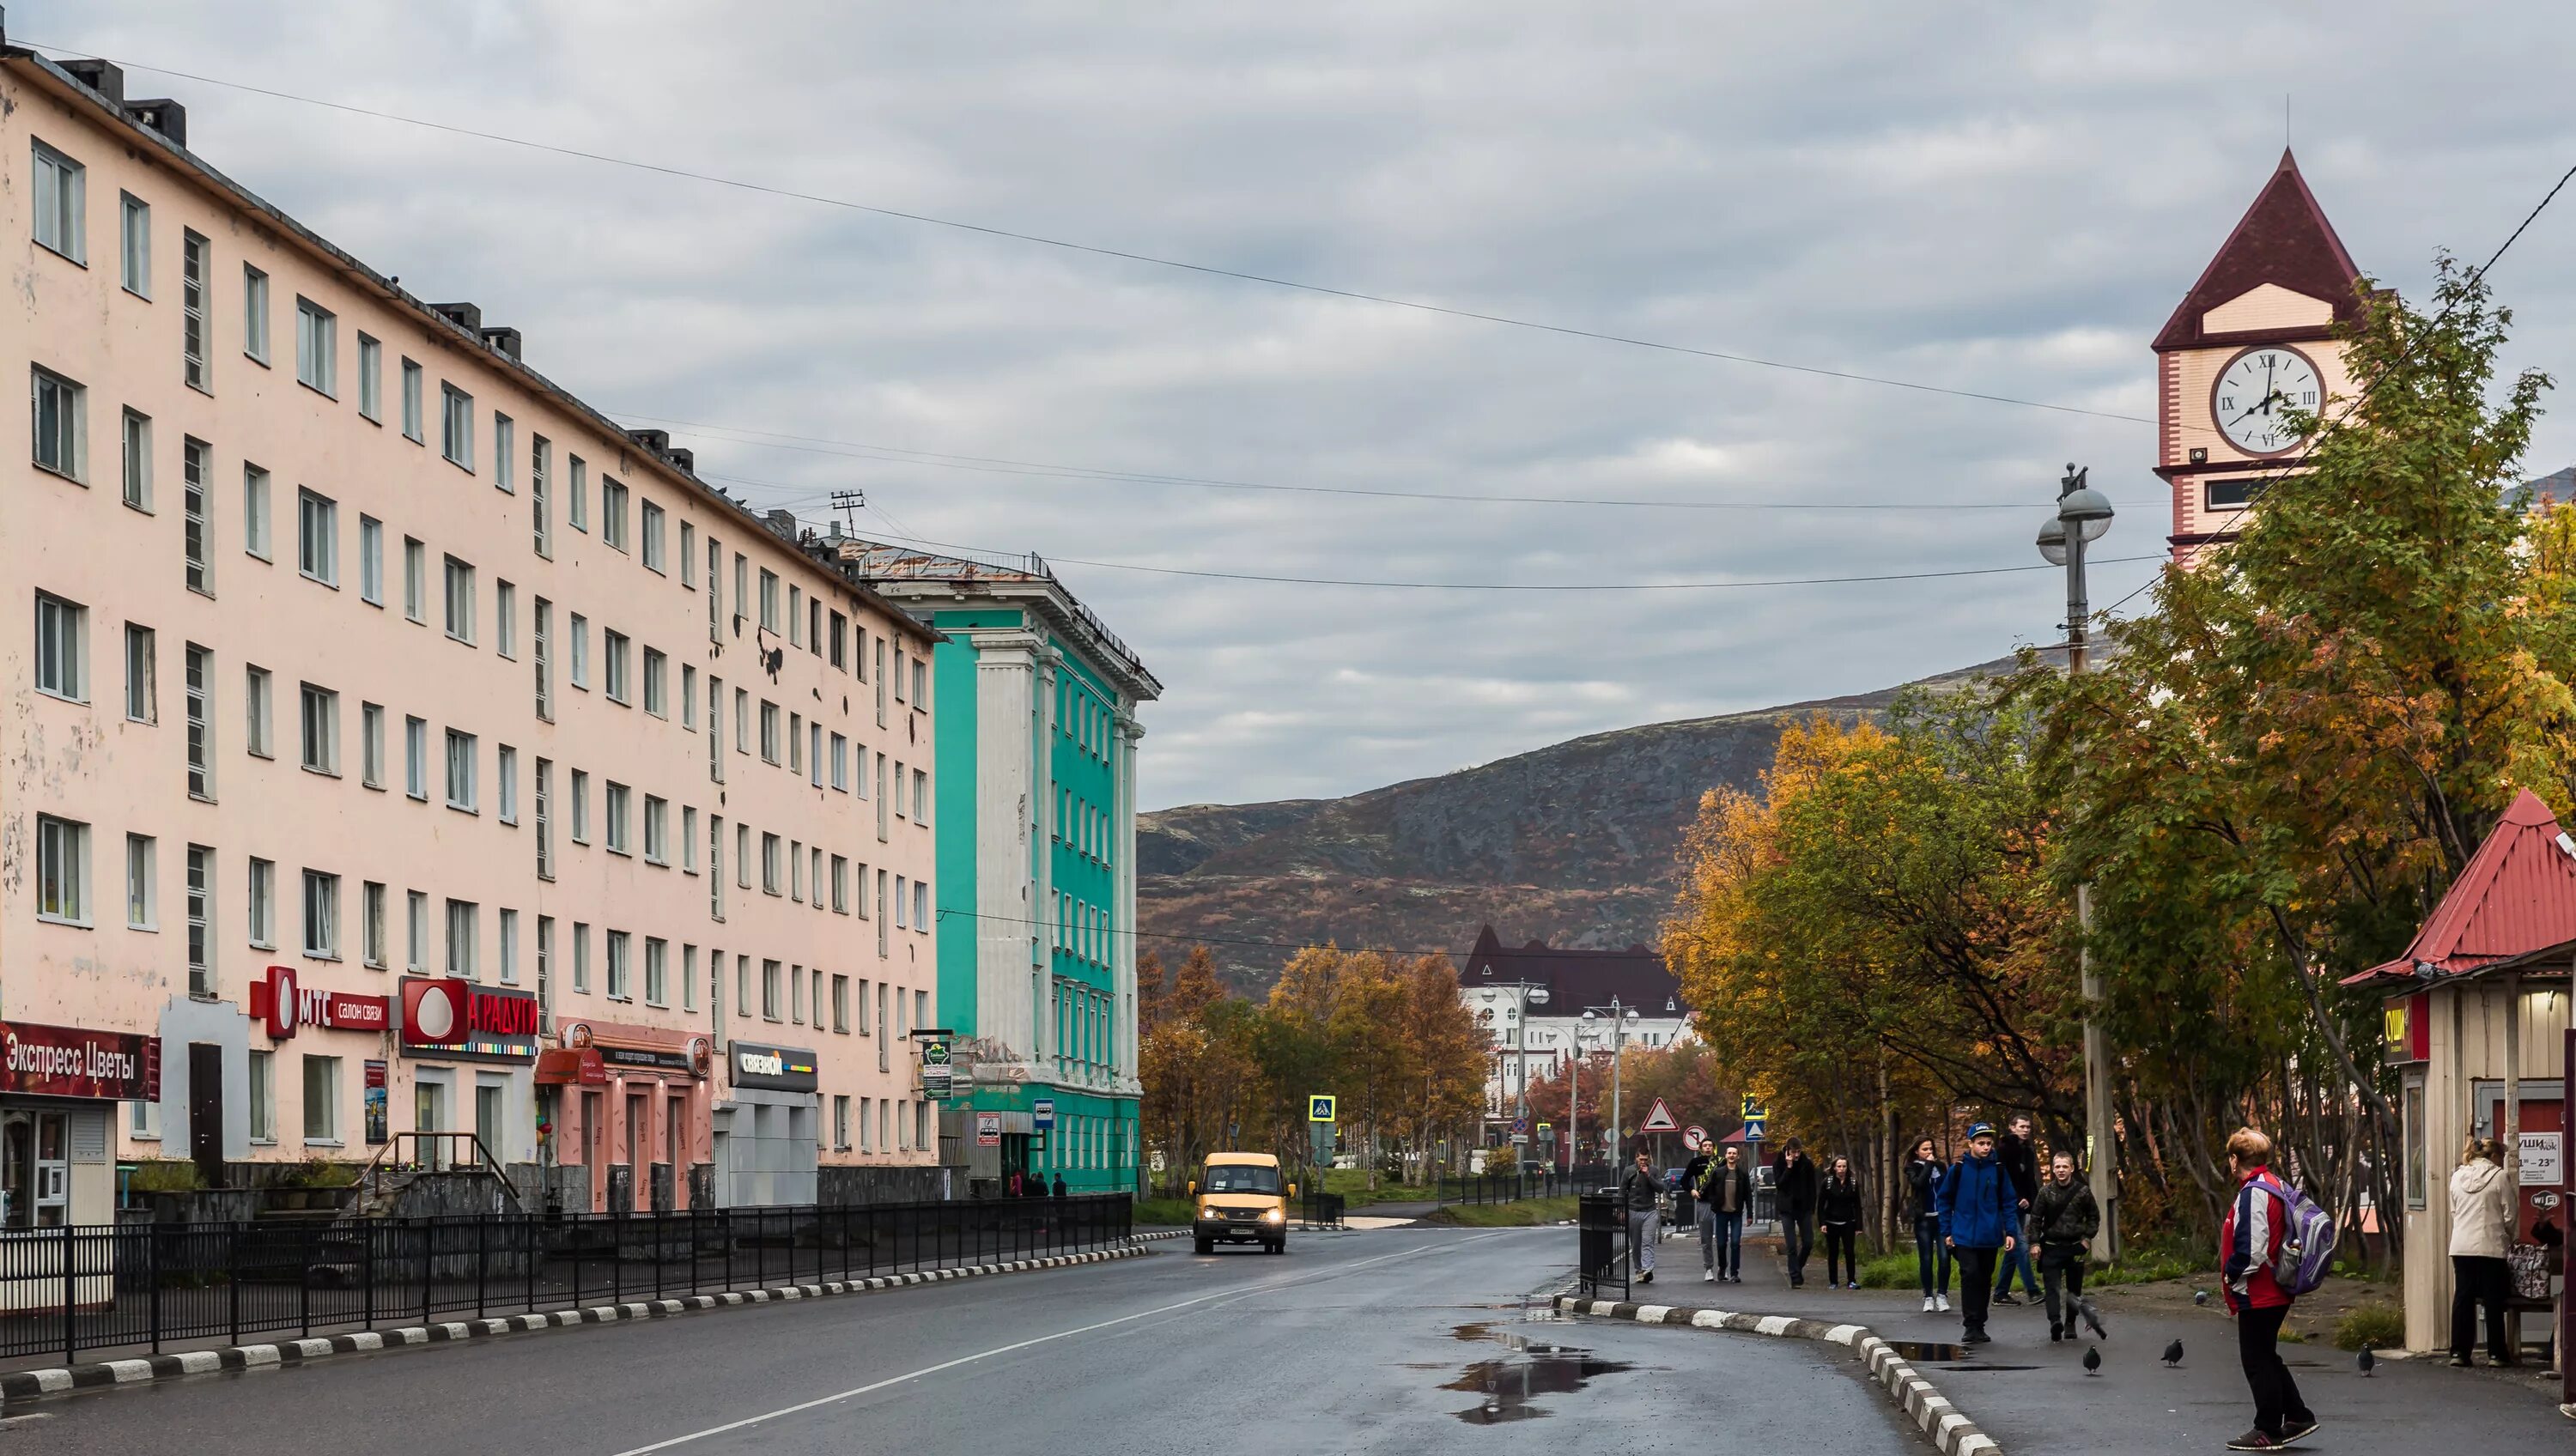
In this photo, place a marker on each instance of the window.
(141, 911)
(688, 840)
(321, 915)
(657, 830)
(135, 235)
(577, 508)
(263, 904)
(540, 463)
(657, 670)
(545, 959)
(371, 924)
(769, 990)
(769, 601)
(371, 561)
(618, 796)
(61, 424)
(509, 947)
(415, 580)
(460, 601)
(769, 864)
(137, 471)
(613, 654)
(255, 313)
(545, 819)
(689, 977)
(415, 931)
(840, 885)
(840, 763)
(796, 994)
(505, 619)
(317, 348)
(742, 855)
(620, 950)
(581, 651)
(814, 753)
(795, 616)
(840, 1122)
(505, 768)
(201, 722)
(921, 906)
(196, 540)
(255, 534)
(657, 971)
(901, 886)
(195, 257)
(545, 622)
(321, 723)
(688, 553)
(142, 698)
(317, 537)
(580, 807)
(741, 721)
(462, 930)
(651, 515)
(263, 1097)
(581, 957)
(769, 731)
(505, 444)
(321, 1099)
(460, 770)
(371, 380)
(371, 745)
(841, 1004)
(612, 513)
(840, 641)
(416, 757)
(456, 426)
(62, 870)
(62, 648)
(259, 713)
(688, 697)
(411, 386)
(201, 911)
(795, 743)
(62, 204)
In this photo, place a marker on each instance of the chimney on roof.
(104, 77)
(782, 522)
(466, 316)
(500, 340)
(163, 115)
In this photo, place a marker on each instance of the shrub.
(2372, 1326)
(163, 1175)
(1893, 1270)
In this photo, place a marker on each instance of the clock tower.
(2253, 337)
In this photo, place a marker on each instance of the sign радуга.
(447, 1017)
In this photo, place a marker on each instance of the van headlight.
(1276, 1215)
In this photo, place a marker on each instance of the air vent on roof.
(782, 522)
(163, 115)
(686, 459)
(657, 441)
(103, 77)
(505, 341)
(466, 316)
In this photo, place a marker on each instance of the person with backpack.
(2020, 1162)
(1793, 1188)
(1923, 1172)
(1725, 1197)
(2264, 1220)
(1838, 1209)
(1979, 1214)
(2481, 1227)
(2063, 1219)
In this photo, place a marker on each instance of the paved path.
(2033, 1397)
(1406, 1341)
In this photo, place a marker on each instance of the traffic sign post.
(1694, 1137)
(1319, 1108)
(1753, 1129)
(1659, 1118)
(1042, 1114)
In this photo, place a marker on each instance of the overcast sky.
(2005, 198)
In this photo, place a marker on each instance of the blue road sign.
(1042, 1114)
(1753, 1129)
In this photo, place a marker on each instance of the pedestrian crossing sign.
(1319, 1108)
(1754, 1111)
(1659, 1119)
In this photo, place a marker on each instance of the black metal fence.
(145, 1286)
(1601, 1226)
(1504, 1187)
(1318, 1209)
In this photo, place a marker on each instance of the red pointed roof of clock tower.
(2283, 238)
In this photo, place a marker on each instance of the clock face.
(2256, 392)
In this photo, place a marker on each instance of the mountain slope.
(1573, 843)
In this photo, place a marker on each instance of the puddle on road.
(1510, 1384)
(1927, 1350)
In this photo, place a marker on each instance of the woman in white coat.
(2481, 1221)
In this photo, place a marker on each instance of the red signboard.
(286, 1006)
(64, 1061)
(451, 1017)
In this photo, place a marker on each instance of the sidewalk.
(2034, 1397)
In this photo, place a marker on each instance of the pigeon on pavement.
(2092, 1360)
(2366, 1361)
(2173, 1353)
(2093, 1320)
(2200, 1296)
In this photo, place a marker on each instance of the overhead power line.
(1097, 250)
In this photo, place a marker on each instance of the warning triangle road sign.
(1659, 1119)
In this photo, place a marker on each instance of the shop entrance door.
(594, 1141)
(639, 1149)
(429, 1114)
(35, 1169)
(491, 1124)
(206, 1111)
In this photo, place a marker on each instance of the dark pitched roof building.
(1576, 979)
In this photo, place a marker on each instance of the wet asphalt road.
(1409, 1341)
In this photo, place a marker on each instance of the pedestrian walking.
(1725, 1199)
(1793, 1189)
(1838, 1209)
(2481, 1223)
(2020, 1162)
(1923, 1172)
(1641, 1192)
(1687, 1199)
(2063, 1219)
(2248, 1242)
(1979, 1215)
(1059, 1185)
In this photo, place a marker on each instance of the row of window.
(1085, 1026)
(1084, 719)
(900, 1125)
(1082, 929)
(1083, 828)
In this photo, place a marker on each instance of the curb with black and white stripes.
(1941, 1421)
(21, 1386)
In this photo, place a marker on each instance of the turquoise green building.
(1034, 795)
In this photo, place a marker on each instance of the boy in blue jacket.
(1980, 1209)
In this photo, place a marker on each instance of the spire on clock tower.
(2263, 312)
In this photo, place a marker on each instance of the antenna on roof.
(849, 503)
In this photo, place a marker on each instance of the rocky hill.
(1573, 844)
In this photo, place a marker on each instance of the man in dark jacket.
(1979, 1216)
(2020, 1163)
(2062, 1220)
(1794, 1188)
(1725, 1198)
(1641, 1195)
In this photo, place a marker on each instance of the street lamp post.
(2083, 514)
(1620, 1016)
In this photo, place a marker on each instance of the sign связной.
(773, 1068)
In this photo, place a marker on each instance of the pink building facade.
(344, 658)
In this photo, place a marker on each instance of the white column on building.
(1039, 867)
(1006, 673)
(1123, 874)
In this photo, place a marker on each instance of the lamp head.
(2052, 541)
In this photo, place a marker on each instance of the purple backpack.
(2307, 1242)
